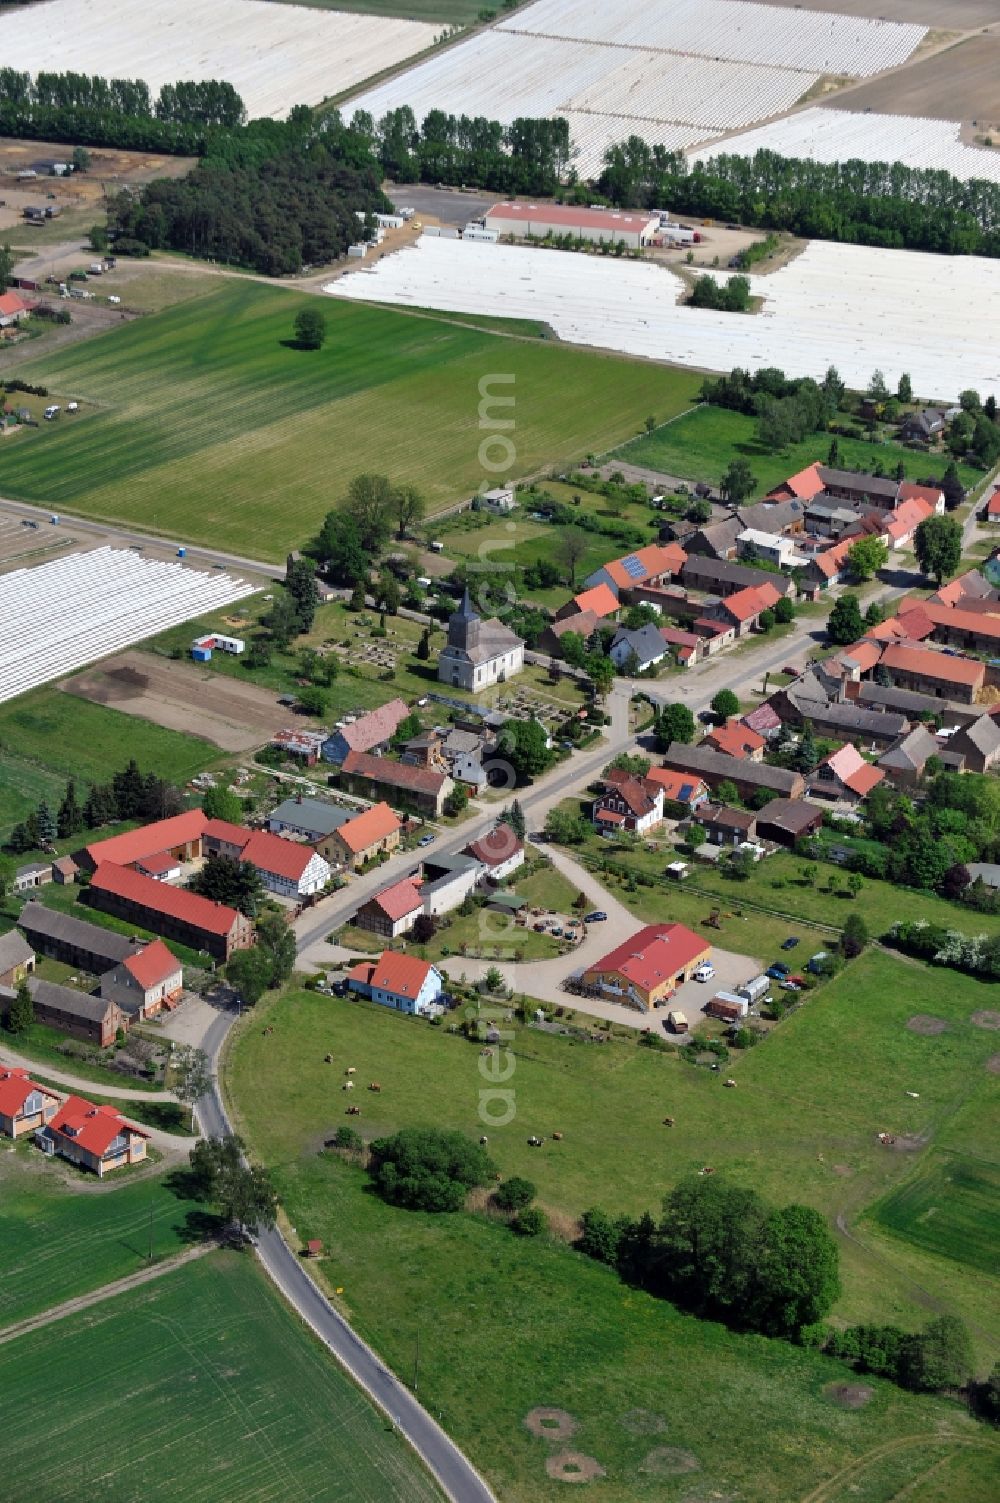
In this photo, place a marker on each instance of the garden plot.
(77, 609)
(820, 135)
(274, 56)
(935, 317)
(817, 41)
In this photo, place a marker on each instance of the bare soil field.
(181, 697)
(962, 83)
(81, 196)
(19, 544)
(956, 15)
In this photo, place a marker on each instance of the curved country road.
(456, 1476)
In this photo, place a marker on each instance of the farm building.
(904, 763)
(34, 874)
(787, 820)
(652, 566)
(726, 826)
(845, 775)
(307, 746)
(13, 311)
(96, 1020)
(748, 777)
(500, 852)
(203, 647)
(421, 788)
(144, 983)
(447, 882)
(73, 941)
(179, 836)
(224, 839)
(392, 911)
(736, 740)
(600, 226)
(95, 1137)
(17, 958)
(24, 1104)
(285, 867)
(647, 969)
(934, 673)
(170, 912)
(366, 835)
(369, 733)
(311, 819)
(399, 981)
(478, 653)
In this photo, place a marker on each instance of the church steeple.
(464, 625)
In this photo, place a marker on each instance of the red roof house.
(627, 803)
(96, 1137)
(400, 981)
(179, 836)
(146, 982)
(392, 911)
(285, 866)
(737, 740)
(647, 969)
(845, 774)
(501, 851)
(172, 912)
(24, 1104)
(804, 486)
(743, 609)
(357, 840)
(930, 672)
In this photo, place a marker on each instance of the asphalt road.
(457, 1477)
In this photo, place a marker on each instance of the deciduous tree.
(937, 543)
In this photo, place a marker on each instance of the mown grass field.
(951, 1207)
(213, 429)
(199, 1386)
(64, 1233)
(23, 785)
(518, 1324)
(700, 445)
(802, 1125)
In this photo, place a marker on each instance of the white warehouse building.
(539, 220)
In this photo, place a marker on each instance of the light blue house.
(399, 981)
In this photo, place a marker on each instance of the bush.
(428, 1169)
(514, 1194)
(530, 1222)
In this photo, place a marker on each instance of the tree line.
(129, 794)
(858, 203)
(49, 96)
(527, 156)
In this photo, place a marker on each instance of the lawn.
(504, 1325)
(214, 429)
(23, 786)
(70, 737)
(700, 445)
(950, 1206)
(64, 1232)
(43, 1045)
(229, 1398)
(799, 1127)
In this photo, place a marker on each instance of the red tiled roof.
(993, 505)
(152, 965)
(657, 953)
(853, 771)
(982, 623)
(910, 491)
(674, 637)
(92, 1127)
(393, 774)
(157, 865)
(863, 655)
(800, 487)
(374, 728)
(656, 559)
(160, 897)
(609, 817)
(282, 858)
(583, 622)
(573, 218)
(764, 718)
(403, 975)
(16, 1086)
(164, 835)
(363, 971)
(366, 829)
(497, 847)
(735, 738)
(680, 787)
(640, 798)
(907, 516)
(601, 600)
(398, 900)
(934, 665)
(11, 303)
(229, 834)
(748, 603)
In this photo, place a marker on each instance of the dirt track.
(233, 715)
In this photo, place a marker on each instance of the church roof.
(465, 611)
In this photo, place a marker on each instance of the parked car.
(778, 971)
(790, 942)
(703, 972)
(790, 986)
(595, 918)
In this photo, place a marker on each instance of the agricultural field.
(447, 12)
(794, 1129)
(64, 1233)
(23, 786)
(849, 134)
(951, 1207)
(229, 1398)
(700, 445)
(961, 15)
(273, 58)
(676, 75)
(961, 83)
(213, 429)
(935, 317)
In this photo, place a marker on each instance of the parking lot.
(731, 970)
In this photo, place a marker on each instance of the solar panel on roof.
(632, 566)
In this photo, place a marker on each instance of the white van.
(703, 972)
(51, 412)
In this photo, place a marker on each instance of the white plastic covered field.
(815, 41)
(696, 90)
(275, 56)
(935, 317)
(843, 136)
(63, 615)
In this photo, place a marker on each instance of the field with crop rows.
(935, 317)
(213, 429)
(822, 135)
(951, 1207)
(274, 57)
(200, 1386)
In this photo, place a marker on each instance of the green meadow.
(212, 427)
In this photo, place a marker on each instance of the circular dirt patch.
(573, 1466)
(551, 1424)
(670, 1461)
(848, 1395)
(924, 1024)
(985, 1020)
(993, 1064)
(642, 1422)
(842, 1169)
